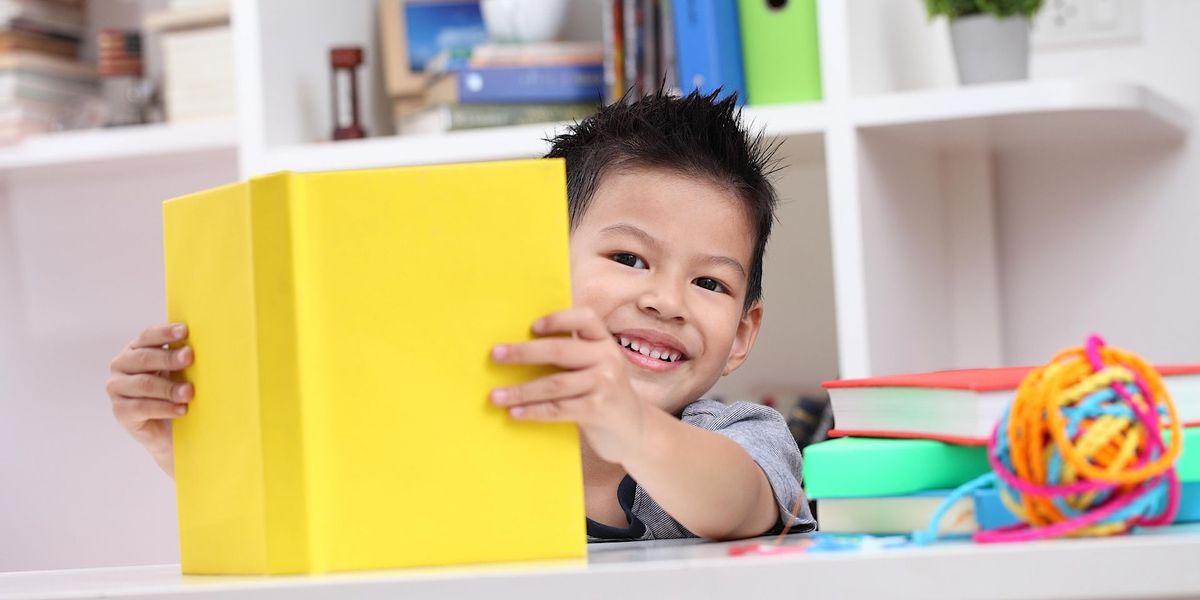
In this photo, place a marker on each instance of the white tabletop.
(1161, 563)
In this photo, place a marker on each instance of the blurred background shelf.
(999, 116)
(789, 119)
(131, 143)
(499, 143)
(1023, 114)
(921, 225)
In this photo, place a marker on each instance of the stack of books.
(494, 85)
(197, 49)
(767, 52)
(902, 443)
(43, 83)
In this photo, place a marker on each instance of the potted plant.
(990, 37)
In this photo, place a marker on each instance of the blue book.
(535, 85)
(708, 46)
(435, 27)
(991, 513)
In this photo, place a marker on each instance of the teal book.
(857, 467)
(853, 467)
(1187, 466)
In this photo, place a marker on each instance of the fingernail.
(499, 396)
(539, 326)
(516, 411)
(499, 352)
(183, 356)
(179, 410)
(179, 331)
(183, 392)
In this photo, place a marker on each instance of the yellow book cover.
(342, 324)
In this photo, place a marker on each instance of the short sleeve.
(762, 432)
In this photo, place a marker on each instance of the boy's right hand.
(144, 398)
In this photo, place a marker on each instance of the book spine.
(611, 78)
(630, 27)
(582, 83)
(275, 289)
(667, 60)
(478, 116)
(708, 47)
(650, 36)
(218, 450)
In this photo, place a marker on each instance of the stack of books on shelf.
(494, 85)
(119, 63)
(43, 83)
(767, 52)
(902, 443)
(197, 49)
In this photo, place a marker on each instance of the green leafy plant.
(953, 9)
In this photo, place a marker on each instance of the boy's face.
(664, 259)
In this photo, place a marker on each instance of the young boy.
(670, 210)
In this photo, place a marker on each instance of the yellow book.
(342, 324)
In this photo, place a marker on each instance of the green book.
(781, 53)
(868, 467)
(857, 467)
(1187, 466)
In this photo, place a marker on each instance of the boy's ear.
(743, 340)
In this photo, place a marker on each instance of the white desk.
(1163, 563)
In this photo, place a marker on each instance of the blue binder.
(708, 46)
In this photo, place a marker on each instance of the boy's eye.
(629, 260)
(710, 284)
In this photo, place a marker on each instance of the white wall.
(797, 347)
(1092, 239)
(80, 275)
(1126, 254)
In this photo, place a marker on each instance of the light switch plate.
(1068, 24)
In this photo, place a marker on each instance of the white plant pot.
(987, 48)
(523, 21)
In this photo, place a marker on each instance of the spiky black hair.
(697, 135)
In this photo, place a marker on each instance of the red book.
(959, 406)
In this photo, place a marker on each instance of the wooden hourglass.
(344, 64)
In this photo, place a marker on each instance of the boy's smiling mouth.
(651, 350)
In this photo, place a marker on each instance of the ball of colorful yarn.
(1081, 451)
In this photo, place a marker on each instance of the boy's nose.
(663, 301)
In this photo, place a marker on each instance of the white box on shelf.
(199, 77)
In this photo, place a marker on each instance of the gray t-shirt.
(762, 432)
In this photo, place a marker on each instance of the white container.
(987, 48)
(523, 21)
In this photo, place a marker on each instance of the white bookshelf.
(925, 153)
(920, 225)
(500, 143)
(1014, 115)
(119, 144)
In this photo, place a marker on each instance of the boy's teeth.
(644, 350)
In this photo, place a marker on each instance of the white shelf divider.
(1003, 115)
(787, 120)
(500, 143)
(119, 143)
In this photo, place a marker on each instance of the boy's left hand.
(594, 390)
